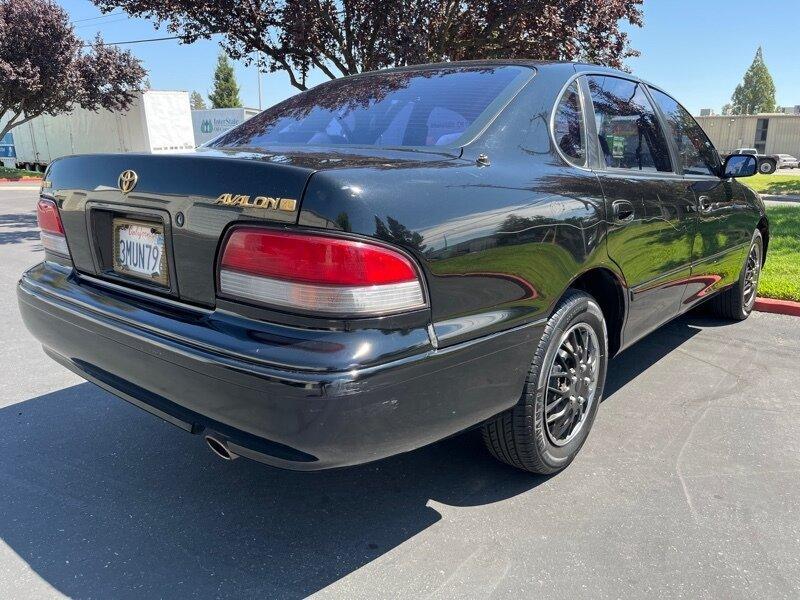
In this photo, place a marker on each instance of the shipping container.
(157, 121)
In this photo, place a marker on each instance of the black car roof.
(535, 64)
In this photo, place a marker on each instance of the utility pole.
(258, 71)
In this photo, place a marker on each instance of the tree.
(226, 90)
(44, 68)
(196, 101)
(756, 93)
(396, 233)
(343, 37)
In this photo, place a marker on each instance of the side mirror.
(740, 165)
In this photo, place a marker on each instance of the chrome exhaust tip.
(219, 448)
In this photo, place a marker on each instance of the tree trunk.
(13, 123)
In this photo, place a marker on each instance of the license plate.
(139, 250)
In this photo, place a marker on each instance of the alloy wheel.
(571, 384)
(751, 274)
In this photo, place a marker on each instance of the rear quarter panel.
(498, 244)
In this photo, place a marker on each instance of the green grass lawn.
(774, 184)
(17, 173)
(781, 276)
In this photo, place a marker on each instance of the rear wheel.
(767, 167)
(564, 386)
(736, 303)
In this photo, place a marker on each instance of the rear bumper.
(280, 395)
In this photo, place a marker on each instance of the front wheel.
(545, 430)
(736, 303)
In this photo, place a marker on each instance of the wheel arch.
(608, 289)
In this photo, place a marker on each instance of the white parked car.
(767, 163)
(787, 161)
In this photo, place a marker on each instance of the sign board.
(212, 122)
(169, 124)
(617, 143)
(7, 146)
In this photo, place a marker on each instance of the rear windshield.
(433, 107)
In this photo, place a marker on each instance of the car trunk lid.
(190, 199)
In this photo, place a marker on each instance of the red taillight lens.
(49, 220)
(52, 230)
(315, 259)
(318, 273)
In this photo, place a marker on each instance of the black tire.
(736, 303)
(767, 167)
(519, 436)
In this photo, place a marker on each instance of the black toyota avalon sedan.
(393, 258)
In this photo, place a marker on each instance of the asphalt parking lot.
(688, 487)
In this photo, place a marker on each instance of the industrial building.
(773, 133)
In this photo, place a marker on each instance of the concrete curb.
(781, 307)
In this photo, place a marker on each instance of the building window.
(761, 136)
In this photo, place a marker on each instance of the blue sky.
(696, 49)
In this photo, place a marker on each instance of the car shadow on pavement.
(101, 499)
(635, 360)
(18, 227)
(104, 500)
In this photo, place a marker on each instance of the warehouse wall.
(784, 135)
(730, 132)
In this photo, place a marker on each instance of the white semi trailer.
(157, 121)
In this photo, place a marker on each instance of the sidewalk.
(780, 199)
(9, 186)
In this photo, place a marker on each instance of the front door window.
(695, 150)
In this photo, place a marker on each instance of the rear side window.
(431, 107)
(697, 153)
(629, 134)
(568, 126)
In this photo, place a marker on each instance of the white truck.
(211, 122)
(157, 121)
(767, 163)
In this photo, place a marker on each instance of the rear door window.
(696, 152)
(628, 131)
(426, 107)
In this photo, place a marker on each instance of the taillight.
(320, 274)
(52, 230)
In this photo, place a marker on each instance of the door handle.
(623, 211)
(705, 203)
